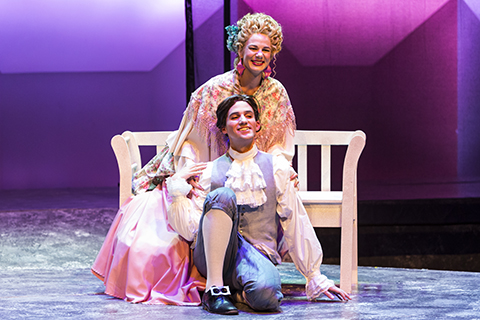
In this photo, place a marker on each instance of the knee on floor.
(263, 297)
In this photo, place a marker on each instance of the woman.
(142, 258)
(256, 39)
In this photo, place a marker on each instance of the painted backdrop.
(73, 74)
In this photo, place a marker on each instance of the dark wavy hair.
(224, 107)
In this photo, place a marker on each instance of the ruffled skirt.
(144, 260)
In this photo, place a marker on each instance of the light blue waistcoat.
(260, 225)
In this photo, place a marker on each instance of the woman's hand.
(190, 171)
(190, 174)
(193, 181)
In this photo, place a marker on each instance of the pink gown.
(143, 260)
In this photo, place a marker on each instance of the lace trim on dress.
(206, 103)
(154, 172)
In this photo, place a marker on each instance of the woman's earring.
(240, 67)
(267, 72)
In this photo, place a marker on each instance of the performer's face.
(241, 126)
(257, 53)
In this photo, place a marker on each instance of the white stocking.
(217, 227)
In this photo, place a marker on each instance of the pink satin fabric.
(144, 260)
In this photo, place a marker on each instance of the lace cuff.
(317, 284)
(177, 188)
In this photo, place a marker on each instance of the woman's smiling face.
(257, 53)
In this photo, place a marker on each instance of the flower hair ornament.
(232, 32)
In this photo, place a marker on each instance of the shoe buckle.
(220, 291)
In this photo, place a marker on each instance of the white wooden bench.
(326, 208)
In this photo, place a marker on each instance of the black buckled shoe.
(217, 300)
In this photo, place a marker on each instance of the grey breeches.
(245, 268)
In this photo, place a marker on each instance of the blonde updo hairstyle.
(258, 23)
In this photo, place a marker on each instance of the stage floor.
(383, 293)
(49, 241)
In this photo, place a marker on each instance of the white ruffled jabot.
(246, 179)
